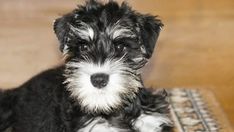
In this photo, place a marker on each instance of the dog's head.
(105, 47)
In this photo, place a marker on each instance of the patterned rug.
(196, 111)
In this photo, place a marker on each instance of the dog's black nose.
(99, 80)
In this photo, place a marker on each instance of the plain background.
(195, 48)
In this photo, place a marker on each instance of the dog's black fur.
(44, 103)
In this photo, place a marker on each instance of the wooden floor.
(195, 49)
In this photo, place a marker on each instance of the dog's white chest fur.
(144, 123)
(99, 125)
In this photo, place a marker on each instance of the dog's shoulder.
(46, 79)
(46, 87)
(41, 99)
(53, 74)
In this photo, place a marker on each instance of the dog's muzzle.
(99, 80)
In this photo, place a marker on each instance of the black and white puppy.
(99, 88)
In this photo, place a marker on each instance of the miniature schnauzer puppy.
(99, 86)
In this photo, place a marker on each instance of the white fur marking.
(84, 31)
(65, 50)
(151, 123)
(122, 32)
(99, 125)
(117, 30)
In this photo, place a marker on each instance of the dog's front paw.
(101, 125)
(152, 123)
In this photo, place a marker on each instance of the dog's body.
(99, 88)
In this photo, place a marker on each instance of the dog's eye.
(83, 48)
(121, 47)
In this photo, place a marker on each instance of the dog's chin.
(100, 101)
(105, 100)
(122, 86)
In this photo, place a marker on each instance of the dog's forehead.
(120, 29)
(88, 31)
(113, 25)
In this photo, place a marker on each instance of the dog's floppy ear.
(150, 28)
(61, 29)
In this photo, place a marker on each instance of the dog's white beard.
(105, 99)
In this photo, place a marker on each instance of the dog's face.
(105, 47)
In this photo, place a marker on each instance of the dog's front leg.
(152, 123)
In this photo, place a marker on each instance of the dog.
(99, 87)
